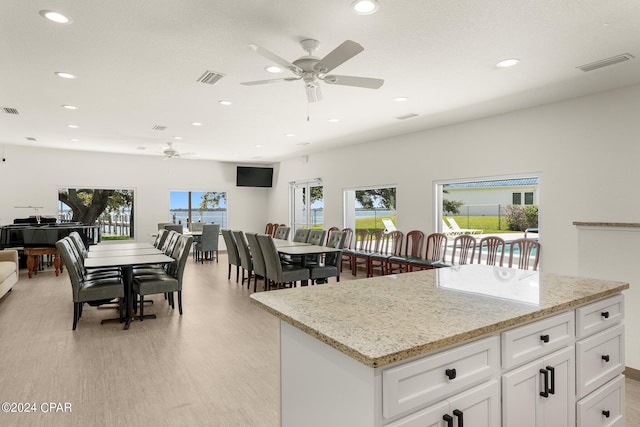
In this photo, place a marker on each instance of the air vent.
(605, 62)
(9, 110)
(407, 116)
(158, 127)
(30, 138)
(210, 77)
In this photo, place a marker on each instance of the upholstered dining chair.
(413, 242)
(434, 255)
(330, 267)
(95, 291)
(208, 243)
(178, 228)
(282, 233)
(259, 267)
(160, 237)
(524, 253)
(494, 253)
(301, 235)
(246, 263)
(197, 226)
(233, 256)
(277, 273)
(169, 282)
(329, 231)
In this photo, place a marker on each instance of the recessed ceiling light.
(73, 126)
(224, 102)
(365, 7)
(506, 63)
(70, 107)
(258, 146)
(273, 69)
(334, 120)
(400, 99)
(74, 140)
(55, 16)
(196, 124)
(177, 137)
(65, 75)
(289, 134)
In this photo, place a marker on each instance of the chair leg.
(76, 315)
(141, 308)
(180, 302)
(237, 272)
(229, 275)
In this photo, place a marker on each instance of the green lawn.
(488, 224)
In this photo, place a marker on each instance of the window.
(516, 199)
(307, 204)
(366, 207)
(493, 204)
(187, 207)
(111, 209)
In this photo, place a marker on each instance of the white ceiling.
(138, 63)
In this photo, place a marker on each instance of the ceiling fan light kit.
(313, 70)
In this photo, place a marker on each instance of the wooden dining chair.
(434, 255)
(493, 248)
(464, 249)
(371, 244)
(414, 240)
(524, 253)
(390, 245)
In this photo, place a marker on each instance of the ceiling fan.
(171, 153)
(313, 70)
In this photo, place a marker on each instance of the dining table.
(119, 246)
(126, 260)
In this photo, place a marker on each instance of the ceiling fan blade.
(262, 82)
(347, 50)
(275, 58)
(365, 82)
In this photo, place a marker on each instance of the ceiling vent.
(605, 62)
(158, 127)
(9, 110)
(210, 77)
(407, 116)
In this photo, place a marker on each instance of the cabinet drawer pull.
(449, 419)
(544, 338)
(605, 357)
(458, 413)
(605, 314)
(545, 380)
(552, 388)
(450, 373)
(606, 414)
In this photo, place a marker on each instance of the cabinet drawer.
(408, 386)
(599, 315)
(599, 359)
(529, 342)
(604, 407)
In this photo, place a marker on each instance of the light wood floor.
(216, 365)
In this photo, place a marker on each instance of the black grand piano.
(44, 231)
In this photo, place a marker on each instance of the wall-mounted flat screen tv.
(247, 176)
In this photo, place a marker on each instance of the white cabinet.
(604, 407)
(540, 393)
(477, 407)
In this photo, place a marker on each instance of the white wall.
(586, 152)
(31, 176)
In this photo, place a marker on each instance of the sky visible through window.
(180, 200)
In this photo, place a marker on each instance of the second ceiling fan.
(313, 70)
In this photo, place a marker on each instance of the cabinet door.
(558, 408)
(478, 407)
(522, 389)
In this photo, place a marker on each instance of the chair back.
(282, 233)
(272, 264)
(181, 253)
(413, 244)
(210, 237)
(391, 243)
(335, 240)
(464, 249)
(268, 229)
(78, 243)
(372, 241)
(197, 226)
(259, 267)
(316, 237)
(348, 237)
(160, 238)
(178, 228)
(243, 250)
(71, 265)
(329, 231)
(301, 235)
(232, 248)
(527, 252)
(436, 247)
(495, 250)
(162, 224)
(170, 242)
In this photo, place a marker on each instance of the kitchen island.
(402, 350)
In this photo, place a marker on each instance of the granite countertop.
(381, 320)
